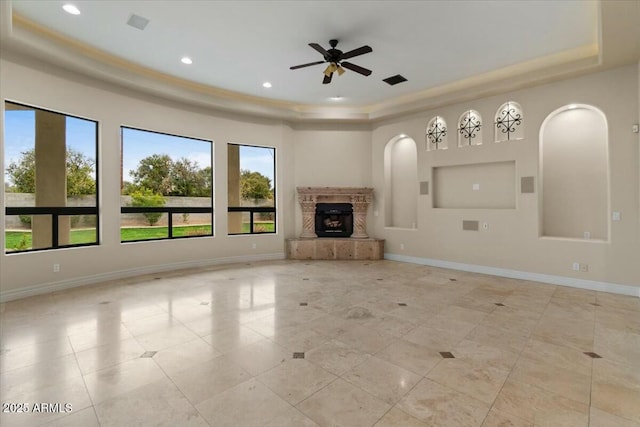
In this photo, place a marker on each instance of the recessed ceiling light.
(572, 107)
(266, 84)
(186, 60)
(336, 98)
(69, 8)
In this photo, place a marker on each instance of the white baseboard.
(45, 288)
(593, 285)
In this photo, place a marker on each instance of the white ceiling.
(238, 45)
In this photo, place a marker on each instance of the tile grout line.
(519, 357)
(93, 406)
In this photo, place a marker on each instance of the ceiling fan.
(336, 59)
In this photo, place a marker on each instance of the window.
(251, 189)
(437, 134)
(508, 123)
(470, 129)
(166, 186)
(51, 188)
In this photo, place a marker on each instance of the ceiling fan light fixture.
(330, 69)
(340, 70)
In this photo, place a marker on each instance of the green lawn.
(21, 240)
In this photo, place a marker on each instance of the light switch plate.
(476, 187)
(615, 216)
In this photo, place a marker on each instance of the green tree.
(162, 175)
(23, 173)
(254, 185)
(154, 173)
(147, 198)
(80, 169)
(188, 180)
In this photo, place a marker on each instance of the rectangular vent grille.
(137, 21)
(424, 187)
(470, 225)
(526, 184)
(394, 80)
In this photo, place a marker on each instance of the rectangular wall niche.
(475, 186)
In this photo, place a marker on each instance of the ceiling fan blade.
(295, 67)
(327, 79)
(356, 52)
(319, 48)
(356, 68)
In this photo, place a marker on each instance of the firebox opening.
(334, 219)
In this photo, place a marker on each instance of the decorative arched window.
(469, 128)
(508, 123)
(437, 134)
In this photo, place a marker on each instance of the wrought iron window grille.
(469, 126)
(508, 120)
(436, 132)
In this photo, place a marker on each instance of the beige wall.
(326, 156)
(512, 239)
(341, 155)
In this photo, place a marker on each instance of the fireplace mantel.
(359, 197)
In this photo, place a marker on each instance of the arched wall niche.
(574, 174)
(401, 182)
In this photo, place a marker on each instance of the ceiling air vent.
(394, 80)
(137, 21)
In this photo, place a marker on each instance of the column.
(308, 205)
(360, 204)
(234, 219)
(51, 177)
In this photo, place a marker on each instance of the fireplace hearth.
(334, 219)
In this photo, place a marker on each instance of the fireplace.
(358, 199)
(339, 216)
(334, 219)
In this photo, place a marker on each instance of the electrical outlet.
(56, 268)
(485, 225)
(254, 245)
(376, 213)
(576, 266)
(616, 216)
(475, 187)
(584, 268)
(402, 246)
(587, 235)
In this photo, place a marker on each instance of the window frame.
(57, 211)
(169, 210)
(256, 209)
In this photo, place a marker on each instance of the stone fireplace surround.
(358, 246)
(360, 198)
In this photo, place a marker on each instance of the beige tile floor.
(220, 346)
